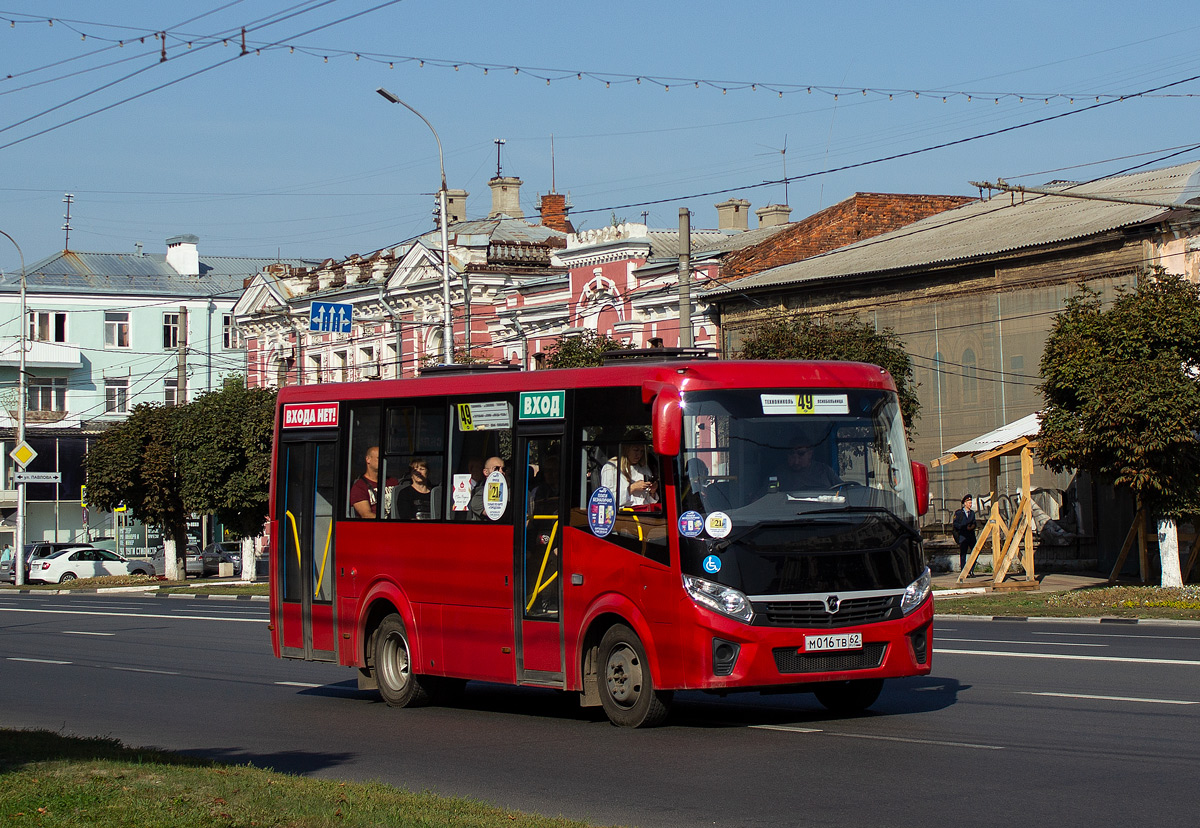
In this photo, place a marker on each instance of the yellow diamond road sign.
(23, 453)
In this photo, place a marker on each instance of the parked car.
(216, 554)
(84, 562)
(193, 561)
(8, 566)
(39, 549)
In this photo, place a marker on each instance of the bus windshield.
(797, 491)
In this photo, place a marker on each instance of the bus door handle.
(576, 579)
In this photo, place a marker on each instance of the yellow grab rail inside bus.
(324, 559)
(540, 587)
(296, 535)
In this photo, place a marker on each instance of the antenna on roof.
(552, 188)
(67, 199)
(499, 142)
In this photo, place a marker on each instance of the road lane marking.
(1006, 641)
(1123, 637)
(145, 670)
(788, 728)
(84, 632)
(907, 740)
(137, 615)
(1105, 698)
(37, 660)
(298, 684)
(1071, 657)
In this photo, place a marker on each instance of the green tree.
(225, 446)
(136, 462)
(581, 350)
(805, 336)
(1123, 398)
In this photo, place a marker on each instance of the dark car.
(216, 554)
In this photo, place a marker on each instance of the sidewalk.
(947, 582)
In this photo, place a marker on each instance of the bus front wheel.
(398, 685)
(849, 696)
(626, 688)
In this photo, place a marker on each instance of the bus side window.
(615, 453)
(480, 435)
(414, 467)
(363, 490)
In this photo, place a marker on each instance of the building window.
(970, 377)
(231, 335)
(116, 329)
(48, 326)
(116, 395)
(314, 368)
(44, 394)
(170, 331)
(339, 366)
(171, 391)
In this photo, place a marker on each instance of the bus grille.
(789, 660)
(851, 611)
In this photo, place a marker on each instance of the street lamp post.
(18, 559)
(447, 325)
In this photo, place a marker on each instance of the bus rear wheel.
(626, 688)
(397, 683)
(849, 696)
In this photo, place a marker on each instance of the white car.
(69, 564)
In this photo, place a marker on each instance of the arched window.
(970, 377)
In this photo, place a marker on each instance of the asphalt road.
(1037, 723)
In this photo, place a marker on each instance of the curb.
(209, 597)
(1051, 619)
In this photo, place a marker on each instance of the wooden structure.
(1139, 532)
(1011, 542)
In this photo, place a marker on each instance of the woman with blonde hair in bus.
(629, 476)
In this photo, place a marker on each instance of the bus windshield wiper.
(877, 510)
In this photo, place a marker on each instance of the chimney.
(554, 212)
(773, 215)
(733, 214)
(182, 254)
(456, 205)
(506, 196)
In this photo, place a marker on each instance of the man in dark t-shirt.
(364, 494)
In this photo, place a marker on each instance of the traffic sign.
(23, 453)
(330, 317)
(37, 477)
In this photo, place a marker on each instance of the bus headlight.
(719, 598)
(917, 592)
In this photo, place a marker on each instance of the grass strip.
(48, 779)
(1090, 602)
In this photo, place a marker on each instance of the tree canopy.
(582, 350)
(1122, 391)
(806, 336)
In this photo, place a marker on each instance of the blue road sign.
(330, 317)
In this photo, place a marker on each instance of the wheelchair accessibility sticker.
(712, 564)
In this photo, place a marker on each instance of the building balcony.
(39, 354)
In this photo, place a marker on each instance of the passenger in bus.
(629, 476)
(364, 494)
(493, 464)
(543, 496)
(413, 501)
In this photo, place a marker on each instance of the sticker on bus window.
(712, 564)
(495, 495)
(602, 511)
(462, 492)
(805, 404)
(484, 416)
(691, 524)
(718, 524)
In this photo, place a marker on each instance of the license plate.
(832, 641)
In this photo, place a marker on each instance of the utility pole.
(19, 552)
(181, 359)
(685, 278)
(67, 199)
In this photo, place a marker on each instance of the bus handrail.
(538, 586)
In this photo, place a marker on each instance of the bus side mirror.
(668, 421)
(920, 473)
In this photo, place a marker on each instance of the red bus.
(620, 532)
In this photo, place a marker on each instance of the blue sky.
(291, 151)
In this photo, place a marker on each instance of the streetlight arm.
(388, 96)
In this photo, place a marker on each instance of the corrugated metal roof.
(987, 228)
(72, 272)
(665, 243)
(1028, 426)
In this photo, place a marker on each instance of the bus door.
(307, 482)
(540, 518)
